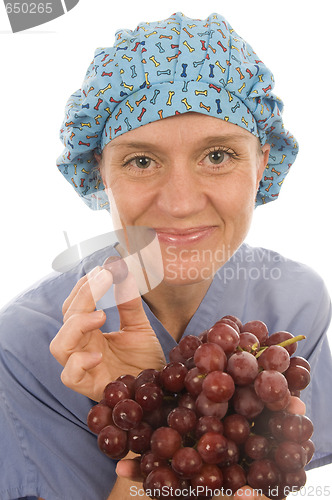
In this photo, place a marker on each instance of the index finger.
(76, 288)
(89, 293)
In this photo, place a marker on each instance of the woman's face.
(193, 179)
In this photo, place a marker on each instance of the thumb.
(129, 304)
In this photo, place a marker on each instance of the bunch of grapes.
(215, 417)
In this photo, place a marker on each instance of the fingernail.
(94, 272)
(103, 276)
(99, 314)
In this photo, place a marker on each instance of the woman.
(175, 130)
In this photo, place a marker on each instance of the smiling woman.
(175, 130)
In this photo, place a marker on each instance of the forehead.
(187, 127)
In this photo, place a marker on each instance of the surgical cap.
(166, 68)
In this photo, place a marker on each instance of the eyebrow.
(206, 140)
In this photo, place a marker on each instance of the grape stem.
(283, 344)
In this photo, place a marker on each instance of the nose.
(181, 194)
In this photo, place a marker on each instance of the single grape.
(99, 417)
(165, 441)
(258, 328)
(211, 447)
(270, 386)
(275, 425)
(187, 401)
(263, 475)
(236, 428)
(218, 386)
(225, 336)
(186, 462)
(235, 320)
(309, 448)
(297, 377)
(208, 424)
(139, 438)
(114, 392)
(274, 357)
(299, 361)
(297, 428)
(113, 442)
(204, 406)
(149, 462)
(246, 402)
(290, 456)
(147, 375)
(295, 479)
(231, 455)
(175, 355)
(172, 376)
(234, 477)
(256, 447)
(129, 381)
(161, 482)
(188, 346)
(210, 357)
(278, 337)
(281, 404)
(193, 381)
(209, 477)
(182, 420)
(149, 396)
(243, 368)
(118, 268)
(127, 414)
(249, 342)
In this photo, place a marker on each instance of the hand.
(130, 468)
(91, 359)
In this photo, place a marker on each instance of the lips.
(178, 236)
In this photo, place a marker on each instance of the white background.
(41, 67)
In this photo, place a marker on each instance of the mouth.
(178, 236)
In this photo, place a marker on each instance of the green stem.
(282, 344)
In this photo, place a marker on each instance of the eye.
(142, 162)
(216, 157)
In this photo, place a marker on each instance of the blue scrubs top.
(46, 448)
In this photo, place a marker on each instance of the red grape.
(182, 419)
(225, 336)
(165, 441)
(258, 328)
(208, 423)
(236, 428)
(290, 456)
(256, 447)
(173, 376)
(139, 438)
(161, 482)
(234, 477)
(278, 337)
(188, 346)
(218, 386)
(127, 414)
(299, 361)
(297, 377)
(118, 268)
(114, 392)
(249, 342)
(99, 417)
(263, 475)
(246, 402)
(243, 368)
(208, 478)
(186, 462)
(149, 396)
(274, 357)
(270, 386)
(210, 357)
(150, 461)
(113, 442)
(211, 447)
(204, 406)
